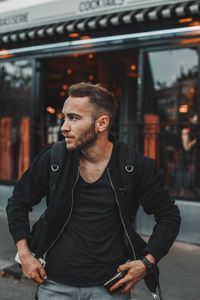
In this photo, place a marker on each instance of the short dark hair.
(101, 99)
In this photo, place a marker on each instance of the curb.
(10, 269)
(4, 264)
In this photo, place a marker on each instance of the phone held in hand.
(113, 280)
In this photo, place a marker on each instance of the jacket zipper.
(70, 213)
(120, 214)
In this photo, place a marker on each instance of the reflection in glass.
(169, 95)
(15, 86)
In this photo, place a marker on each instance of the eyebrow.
(71, 114)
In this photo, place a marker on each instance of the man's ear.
(102, 123)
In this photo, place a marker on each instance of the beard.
(86, 140)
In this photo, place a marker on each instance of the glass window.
(170, 117)
(15, 86)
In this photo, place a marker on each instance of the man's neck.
(93, 161)
(100, 151)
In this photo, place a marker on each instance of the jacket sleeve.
(28, 191)
(155, 199)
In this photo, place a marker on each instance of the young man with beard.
(86, 235)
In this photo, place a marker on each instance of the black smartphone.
(113, 280)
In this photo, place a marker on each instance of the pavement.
(179, 278)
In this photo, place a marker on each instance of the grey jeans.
(50, 290)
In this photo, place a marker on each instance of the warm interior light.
(85, 37)
(192, 90)
(4, 53)
(195, 23)
(64, 87)
(51, 110)
(69, 71)
(157, 34)
(91, 77)
(183, 108)
(190, 41)
(133, 67)
(185, 20)
(74, 35)
(91, 56)
(60, 115)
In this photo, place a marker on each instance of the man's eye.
(74, 118)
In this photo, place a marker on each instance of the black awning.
(166, 12)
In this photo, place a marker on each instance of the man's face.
(79, 126)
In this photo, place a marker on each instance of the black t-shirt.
(91, 246)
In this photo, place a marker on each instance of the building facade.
(146, 52)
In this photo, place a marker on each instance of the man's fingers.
(39, 275)
(42, 273)
(34, 270)
(119, 284)
(124, 267)
(35, 276)
(135, 272)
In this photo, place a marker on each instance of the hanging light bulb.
(91, 56)
(133, 67)
(64, 87)
(91, 77)
(69, 71)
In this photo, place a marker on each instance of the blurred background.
(146, 52)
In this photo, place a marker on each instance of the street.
(179, 279)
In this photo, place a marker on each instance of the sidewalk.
(180, 273)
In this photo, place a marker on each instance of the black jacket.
(135, 180)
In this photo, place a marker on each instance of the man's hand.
(31, 266)
(136, 272)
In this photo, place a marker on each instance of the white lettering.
(91, 5)
(12, 20)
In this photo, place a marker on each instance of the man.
(86, 235)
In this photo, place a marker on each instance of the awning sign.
(20, 16)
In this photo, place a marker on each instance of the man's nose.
(65, 126)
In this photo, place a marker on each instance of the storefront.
(146, 52)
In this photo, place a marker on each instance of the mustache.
(64, 133)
